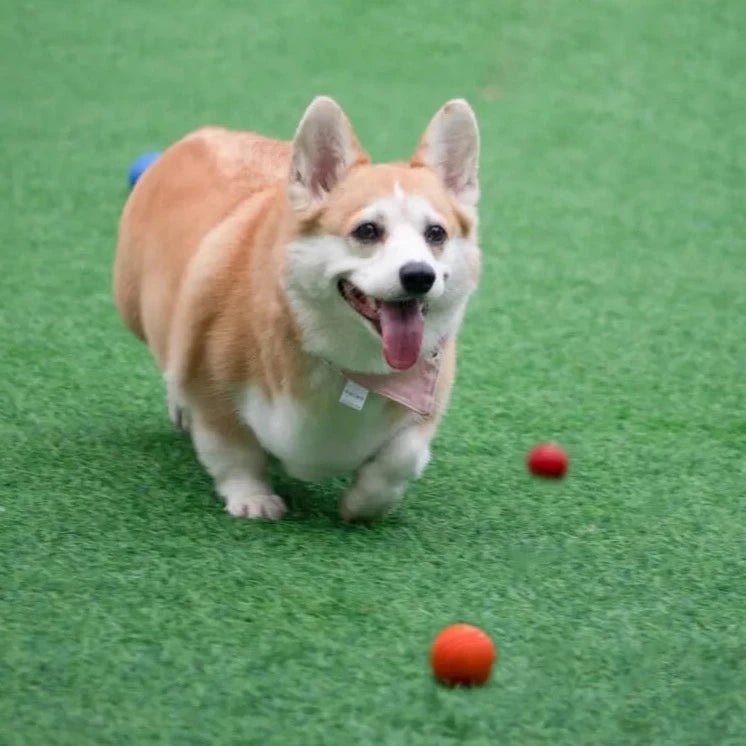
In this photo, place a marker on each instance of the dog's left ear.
(450, 146)
(324, 148)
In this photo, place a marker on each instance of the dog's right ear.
(324, 147)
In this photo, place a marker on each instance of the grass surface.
(612, 318)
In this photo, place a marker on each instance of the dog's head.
(385, 256)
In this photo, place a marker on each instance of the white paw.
(269, 507)
(360, 507)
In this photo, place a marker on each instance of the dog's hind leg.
(178, 412)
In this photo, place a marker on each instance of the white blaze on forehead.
(401, 207)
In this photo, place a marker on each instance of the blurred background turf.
(611, 317)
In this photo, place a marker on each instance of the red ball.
(462, 655)
(548, 460)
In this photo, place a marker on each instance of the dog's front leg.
(236, 461)
(381, 481)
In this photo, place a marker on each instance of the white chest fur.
(321, 440)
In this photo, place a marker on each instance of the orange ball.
(462, 655)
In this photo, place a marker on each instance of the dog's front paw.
(359, 506)
(268, 507)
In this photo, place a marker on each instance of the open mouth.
(366, 305)
(401, 323)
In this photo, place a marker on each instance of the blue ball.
(138, 167)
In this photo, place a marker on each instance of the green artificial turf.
(611, 317)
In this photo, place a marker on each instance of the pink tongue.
(402, 326)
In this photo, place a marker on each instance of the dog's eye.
(368, 232)
(435, 235)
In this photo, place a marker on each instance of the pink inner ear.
(325, 170)
(450, 174)
(455, 165)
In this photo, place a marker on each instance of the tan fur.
(228, 188)
(200, 258)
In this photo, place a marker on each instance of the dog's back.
(189, 190)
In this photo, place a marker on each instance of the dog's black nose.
(417, 277)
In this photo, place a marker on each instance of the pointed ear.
(324, 147)
(450, 146)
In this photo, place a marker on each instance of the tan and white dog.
(303, 303)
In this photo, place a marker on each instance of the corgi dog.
(303, 303)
